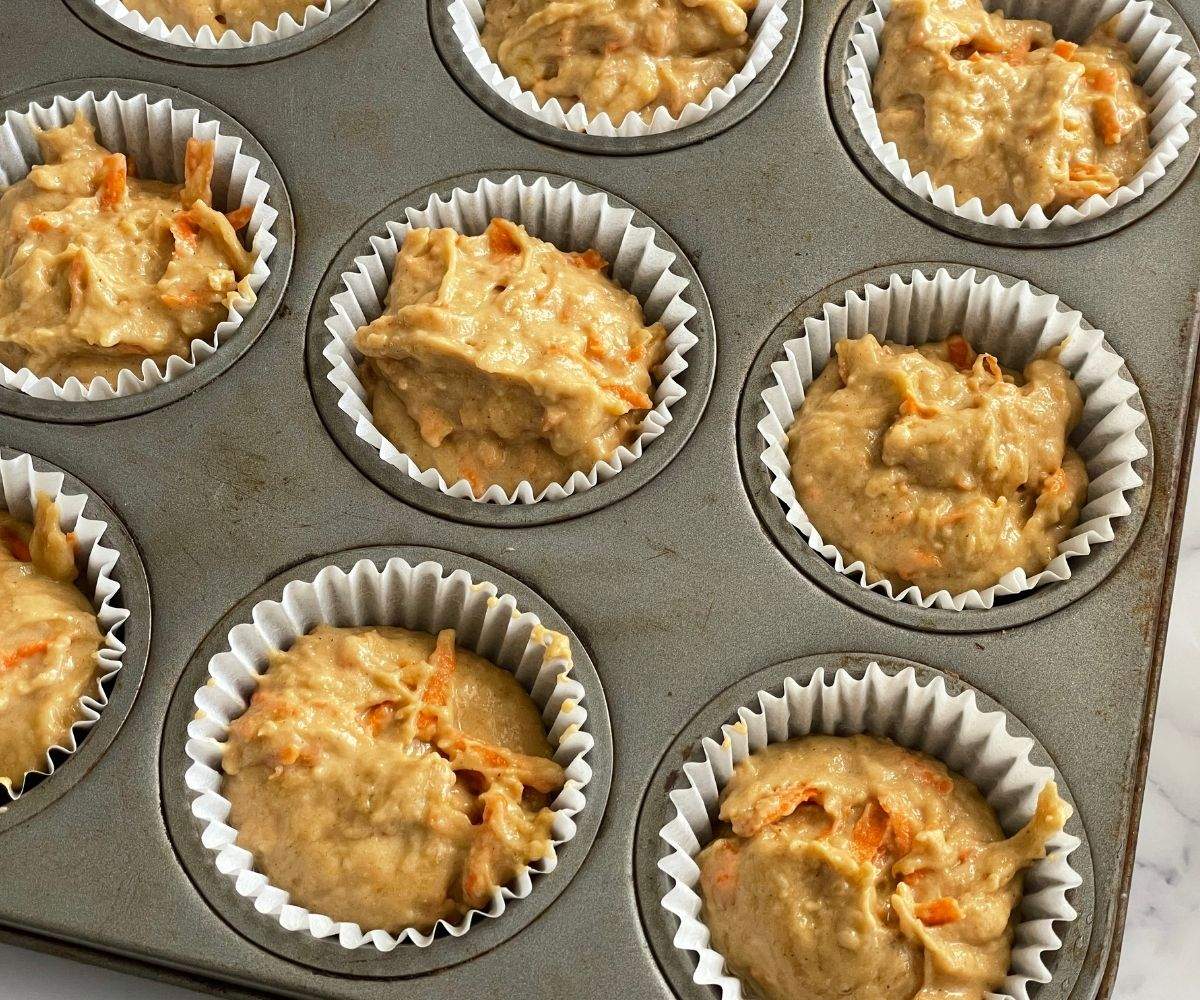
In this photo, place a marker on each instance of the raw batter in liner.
(238, 16)
(1003, 112)
(386, 779)
(619, 56)
(851, 867)
(936, 467)
(99, 270)
(499, 358)
(48, 641)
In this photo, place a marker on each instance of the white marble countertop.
(1161, 956)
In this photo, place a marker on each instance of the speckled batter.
(1002, 111)
(851, 867)
(500, 358)
(619, 57)
(936, 467)
(385, 778)
(238, 16)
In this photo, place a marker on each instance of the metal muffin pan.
(675, 591)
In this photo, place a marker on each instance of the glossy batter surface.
(1002, 111)
(48, 641)
(238, 16)
(934, 466)
(619, 56)
(100, 270)
(851, 867)
(499, 358)
(383, 778)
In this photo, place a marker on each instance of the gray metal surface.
(676, 591)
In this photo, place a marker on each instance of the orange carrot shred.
(240, 217)
(589, 259)
(112, 180)
(1064, 49)
(501, 241)
(869, 831)
(960, 353)
(16, 545)
(437, 689)
(1107, 120)
(1103, 80)
(39, 224)
(638, 400)
(24, 652)
(937, 912)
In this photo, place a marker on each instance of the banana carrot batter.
(619, 56)
(100, 270)
(221, 15)
(935, 466)
(500, 358)
(1001, 110)
(48, 641)
(851, 867)
(383, 777)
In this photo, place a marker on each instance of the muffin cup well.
(153, 134)
(424, 598)
(765, 29)
(1161, 68)
(570, 219)
(1016, 324)
(20, 484)
(260, 34)
(926, 717)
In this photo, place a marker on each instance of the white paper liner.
(20, 484)
(765, 29)
(952, 728)
(566, 217)
(425, 598)
(1016, 324)
(154, 135)
(1162, 70)
(260, 33)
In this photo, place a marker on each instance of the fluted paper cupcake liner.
(20, 484)
(260, 33)
(571, 220)
(424, 598)
(1162, 69)
(765, 29)
(1016, 324)
(925, 717)
(154, 135)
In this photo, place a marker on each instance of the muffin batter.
(855, 868)
(499, 358)
(238, 16)
(1003, 112)
(934, 466)
(49, 641)
(99, 270)
(619, 57)
(386, 779)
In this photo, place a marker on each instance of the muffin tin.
(677, 591)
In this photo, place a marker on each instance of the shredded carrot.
(184, 300)
(938, 911)
(992, 367)
(638, 400)
(16, 545)
(589, 259)
(184, 230)
(960, 353)
(24, 652)
(501, 241)
(910, 406)
(112, 180)
(1016, 55)
(635, 353)
(721, 871)
(1103, 80)
(39, 224)
(902, 824)
(76, 282)
(912, 878)
(938, 782)
(437, 689)
(869, 831)
(377, 716)
(771, 808)
(240, 217)
(197, 172)
(1064, 49)
(1108, 121)
(1055, 483)
(595, 347)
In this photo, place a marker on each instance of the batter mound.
(385, 778)
(854, 868)
(49, 641)
(99, 270)
(1002, 111)
(619, 56)
(499, 358)
(935, 466)
(238, 16)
